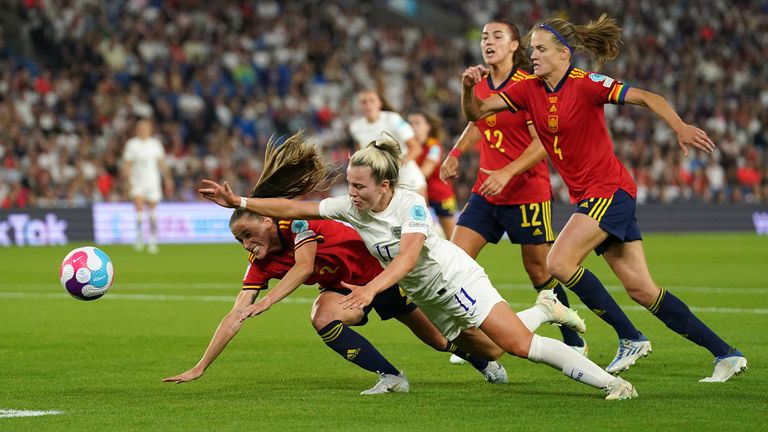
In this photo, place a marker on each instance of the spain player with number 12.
(512, 193)
(566, 105)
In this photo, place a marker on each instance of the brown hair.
(519, 58)
(436, 130)
(600, 38)
(292, 169)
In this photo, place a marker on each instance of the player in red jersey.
(326, 253)
(566, 105)
(440, 195)
(512, 193)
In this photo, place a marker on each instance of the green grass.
(102, 362)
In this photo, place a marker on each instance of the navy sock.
(355, 348)
(678, 317)
(476, 362)
(570, 337)
(593, 294)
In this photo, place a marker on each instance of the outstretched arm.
(404, 262)
(300, 272)
(226, 330)
(283, 208)
(687, 135)
(473, 107)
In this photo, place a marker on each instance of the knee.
(321, 318)
(559, 267)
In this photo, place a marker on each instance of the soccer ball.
(86, 273)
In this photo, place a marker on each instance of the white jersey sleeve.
(414, 215)
(336, 208)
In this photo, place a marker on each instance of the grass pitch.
(101, 363)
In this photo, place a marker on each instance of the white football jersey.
(145, 156)
(363, 132)
(442, 266)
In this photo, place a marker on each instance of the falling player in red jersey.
(440, 195)
(512, 193)
(326, 253)
(566, 106)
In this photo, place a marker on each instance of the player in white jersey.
(143, 165)
(449, 287)
(376, 120)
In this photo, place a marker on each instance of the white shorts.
(411, 177)
(149, 192)
(468, 307)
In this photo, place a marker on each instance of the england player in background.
(143, 165)
(378, 117)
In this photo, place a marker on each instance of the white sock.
(152, 226)
(139, 223)
(533, 318)
(574, 365)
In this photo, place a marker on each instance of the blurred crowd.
(220, 78)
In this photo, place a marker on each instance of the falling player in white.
(375, 120)
(449, 286)
(143, 164)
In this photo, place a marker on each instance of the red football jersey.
(571, 124)
(505, 137)
(437, 190)
(341, 255)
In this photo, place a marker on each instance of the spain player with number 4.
(512, 193)
(566, 106)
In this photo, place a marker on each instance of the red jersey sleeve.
(301, 232)
(603, 89)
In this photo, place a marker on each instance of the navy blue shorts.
(389, 303)
(616, 216)
(444, 208)
(524, 224)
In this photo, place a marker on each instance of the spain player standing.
(566, 105)
(440, 195)
(512, 193)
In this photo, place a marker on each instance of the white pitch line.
(19, 413)
(235, 287)
(305, 300)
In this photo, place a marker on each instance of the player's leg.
(504, 327)
(423, 328)
(446, 215)
(152, 211)
(579, 236)
(627, 260)
(535, 264)
(138, 204)
(332, 323)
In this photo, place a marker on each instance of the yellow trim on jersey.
(519, 76)
(251, 257)
(596, 207)
(253, 287)
(512, 107)
(577, 73)
(599, 215)
(575, 278)
(654, 307)
(307, 240)
(332, 334)
(548, 231)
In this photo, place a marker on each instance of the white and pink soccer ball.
(86, 273)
